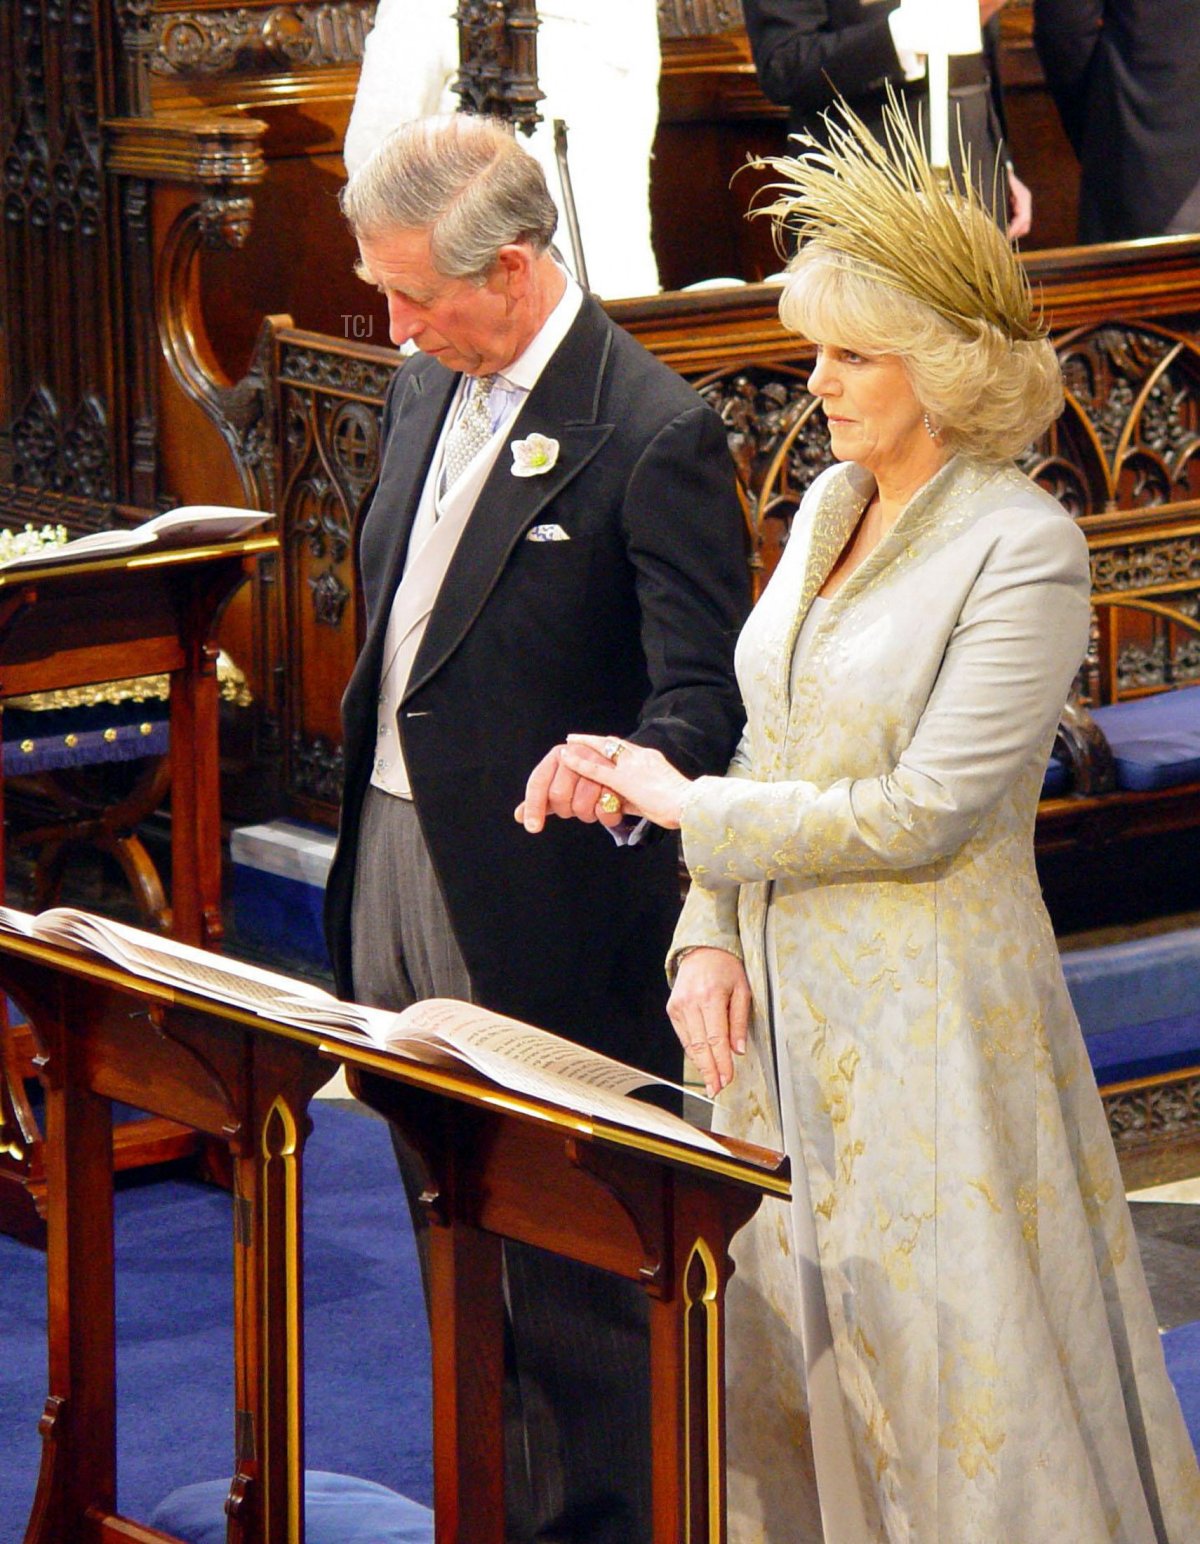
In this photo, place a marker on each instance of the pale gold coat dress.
(955, 1289)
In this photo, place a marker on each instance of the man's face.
(469, 327)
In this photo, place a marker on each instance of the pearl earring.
(929, 428)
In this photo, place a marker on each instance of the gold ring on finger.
(612, 748)
(609, 803)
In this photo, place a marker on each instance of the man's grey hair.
(462, 178)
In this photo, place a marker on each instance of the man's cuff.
(629, 832)
(911, 62)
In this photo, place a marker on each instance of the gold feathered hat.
(885, 208)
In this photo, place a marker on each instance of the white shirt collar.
(524, 371)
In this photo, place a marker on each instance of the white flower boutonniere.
(534, 456)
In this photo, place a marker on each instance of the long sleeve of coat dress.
(998, 692)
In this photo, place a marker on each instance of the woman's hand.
(643, 780)
(710, 1009)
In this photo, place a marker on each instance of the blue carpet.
(367, 1341)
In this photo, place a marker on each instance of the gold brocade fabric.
(946, 1337)
(153, 688)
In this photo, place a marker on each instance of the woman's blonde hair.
(987, 394)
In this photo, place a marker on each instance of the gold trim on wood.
(705, 1301)
(280, 1151)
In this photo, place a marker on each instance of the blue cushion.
(50, 739)
(1135, 982)
(1181, 1347)
(1057, 779)
(1145, 1050)
(1155, 740)
(338, 1509)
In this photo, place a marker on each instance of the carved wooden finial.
(497, 48)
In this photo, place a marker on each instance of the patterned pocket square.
(547, 533)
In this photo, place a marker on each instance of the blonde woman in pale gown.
(946, 1338)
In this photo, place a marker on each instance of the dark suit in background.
(603, 594)
(806, 50)
(1125, 75)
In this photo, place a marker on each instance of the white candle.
(956, 24)
(948, 27)
(938, 67)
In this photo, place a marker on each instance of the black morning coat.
(626, 628)
(1125, 75)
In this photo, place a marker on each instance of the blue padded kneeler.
(1155, 740)
(338, 1509)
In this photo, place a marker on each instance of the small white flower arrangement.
(19, 544)
(534, 456)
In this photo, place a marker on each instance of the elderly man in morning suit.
(555, 542)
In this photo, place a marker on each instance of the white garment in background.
(598, 65)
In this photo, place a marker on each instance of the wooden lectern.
(77, 624)
(498, 1166)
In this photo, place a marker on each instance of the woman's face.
(873, 413)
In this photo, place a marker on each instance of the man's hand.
(710, 1009)
(988, 9)
(556, 789)
(1020, 207)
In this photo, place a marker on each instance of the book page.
(97, 544)
(544, 1066)
(181, 965)
(199, 524)
(14, 921)
(193, 525)
(516, 1056)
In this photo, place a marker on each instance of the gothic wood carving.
(63, 434)
(328, 399)
(223, 157)
(498, 60)
(698, 18)
(200, 43)
(1156, 1128)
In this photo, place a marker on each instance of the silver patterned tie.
(470, 433)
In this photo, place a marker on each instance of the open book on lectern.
(516, 1056)
(195, 525)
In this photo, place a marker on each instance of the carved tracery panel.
(61, 311)
(1134, 410)
(329, 405)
